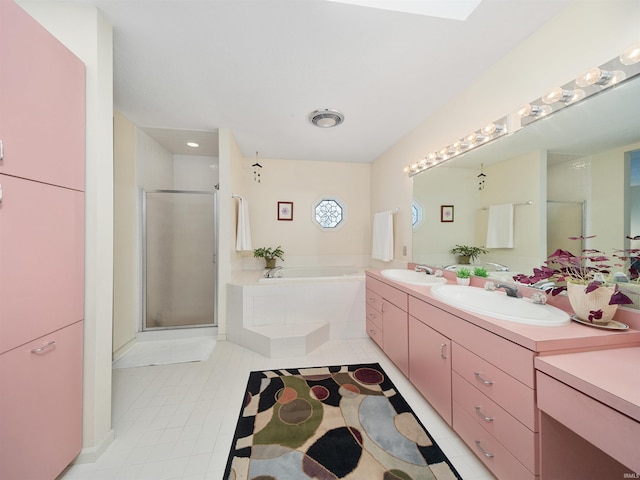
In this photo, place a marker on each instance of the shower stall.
(179, 238)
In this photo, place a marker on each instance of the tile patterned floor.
(176, 422)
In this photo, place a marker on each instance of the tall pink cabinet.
(42, 135)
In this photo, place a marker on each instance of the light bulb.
(631, 55)
(557, 94)
(492, 129)
(594, 76)
(530, 110)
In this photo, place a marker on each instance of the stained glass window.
(329, 213)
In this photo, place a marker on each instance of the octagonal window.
(329, 213)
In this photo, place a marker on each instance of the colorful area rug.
(327, 423)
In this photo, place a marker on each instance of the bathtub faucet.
(271, 273)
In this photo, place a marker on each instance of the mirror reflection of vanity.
(575, 172)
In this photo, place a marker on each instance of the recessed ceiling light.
(193, 144)
(326, 118)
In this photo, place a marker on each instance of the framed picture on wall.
(285, 210)
(446, 213)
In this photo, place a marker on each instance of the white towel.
(243, 233)
(383, 236)
(500, 226)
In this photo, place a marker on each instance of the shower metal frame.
(143, 258)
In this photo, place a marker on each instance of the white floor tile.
(176, 422)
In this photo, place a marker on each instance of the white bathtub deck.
(279, 320)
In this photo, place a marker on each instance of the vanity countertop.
(573, 337)
(609, 376)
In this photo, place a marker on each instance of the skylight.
(454, 10)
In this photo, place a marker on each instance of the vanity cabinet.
(394, 319)
(430, 366)
(42, 159)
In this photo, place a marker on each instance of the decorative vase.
(584, 304)
(463, 281)
(271, 263)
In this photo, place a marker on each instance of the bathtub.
(302, 299)
(314, 274)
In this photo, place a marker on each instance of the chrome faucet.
(425, 269)
(498, 266)
(272, 272)
(512, 290)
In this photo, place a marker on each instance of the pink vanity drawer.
(489, 450)
(374, 300)
(375, 333)
(515, 397)
(374, 316)
(393, 295)
(517, 438)
(606, 428)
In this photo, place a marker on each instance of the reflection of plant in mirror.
(480, 272)
(467, 251)
(463, 273)
(592, 269)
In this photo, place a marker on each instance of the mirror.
(569, 172)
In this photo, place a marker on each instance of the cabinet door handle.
(484, 452)
(48, 346)
(482, 415)
(479, 378)
(0, 193)
(1, 151)
(443, 350)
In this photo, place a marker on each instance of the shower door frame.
(143, 258)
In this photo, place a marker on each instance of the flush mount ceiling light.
(193, 144)
(326, 118)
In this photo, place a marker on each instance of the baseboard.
(91, 454)
(123, 349)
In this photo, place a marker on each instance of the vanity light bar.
(591, 82)
(480, 137)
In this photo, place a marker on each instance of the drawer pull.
(484, 452)
(480, 379)
(482, 415)
(443, 350)
(372, 315)
(372, 299)
(42, 349)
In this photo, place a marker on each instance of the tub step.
(287, 340)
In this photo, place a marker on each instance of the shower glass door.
(179, 247)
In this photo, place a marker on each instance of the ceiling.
(259, 67)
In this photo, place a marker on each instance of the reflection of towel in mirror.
(382, 236)
(500, 226)
(243, 234)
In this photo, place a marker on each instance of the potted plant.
(480, 272)
(269, 255)
(463, 276)
(587, 279)
(467, 254)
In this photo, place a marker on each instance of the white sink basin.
(497, 304)
(411, 277)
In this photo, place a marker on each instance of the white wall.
(84, 31)
(125, 245)
(195, 172)
(583, 35)
(305, 183)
